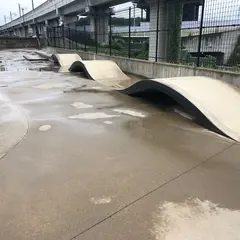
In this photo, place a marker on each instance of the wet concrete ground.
(80, 161)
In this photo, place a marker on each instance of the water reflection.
(13, 60)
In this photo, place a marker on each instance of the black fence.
(200, 33)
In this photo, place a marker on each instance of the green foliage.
(117, 45)
(116, 21)
(175, 22)
(208, 62)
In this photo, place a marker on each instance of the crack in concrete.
(149, 192)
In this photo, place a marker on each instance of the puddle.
(80, 105)
(46, 86)
(183, 114)
(102, 200)
(83, 89)
(44, 128)
(129, 112)
(195, 219)
(92, 116)
(13, 60)
(108, 122)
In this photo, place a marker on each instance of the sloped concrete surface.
(100, 70)
(215, 100)
(65, 60)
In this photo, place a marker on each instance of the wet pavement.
(80, 161)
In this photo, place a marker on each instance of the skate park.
(84, 157)
(119, 120)
(192, 93)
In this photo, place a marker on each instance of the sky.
(228, 9)
(12, 5)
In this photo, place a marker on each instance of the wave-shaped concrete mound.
(211, 101)
(65, 60)
(100, 70)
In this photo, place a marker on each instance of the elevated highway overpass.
(53, 9)
(53, 12)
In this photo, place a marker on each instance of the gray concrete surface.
(96, 164)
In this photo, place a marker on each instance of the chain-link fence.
(197, 33)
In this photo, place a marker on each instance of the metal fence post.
(157, 32)
(76, 36)
(48, 36)
(69, 42)
(96, 36)
(63, 37)
(129, 33)
(85, 44)
(54, 36)
(200, 35)
(110, 34)
(57, 36)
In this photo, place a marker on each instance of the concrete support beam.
(67, 20)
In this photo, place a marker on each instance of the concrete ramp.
(100, 70)
(65, 60)
(209, 100)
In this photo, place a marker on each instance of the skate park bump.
(65, 60)
(212, 102)
(99, 70)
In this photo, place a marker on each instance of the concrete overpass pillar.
(161, 44)
(168, 39)
(22, 31)
(102, 28)
(45, 28)
(99, 24)
(17, 32)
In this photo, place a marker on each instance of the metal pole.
(110, 34)
(49, 36)
(24, 30)
(54, 36)
(63, 35)
(32, 5)
(85, 46)
(69, 45)
(19, 8)
(76, 36)
(96, 37)
(129, 33)
(134, 20)
(200, 35)
(157, 31)
(23, 14)
(11, 15)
